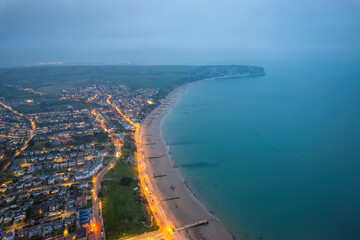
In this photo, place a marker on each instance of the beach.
(174, 205)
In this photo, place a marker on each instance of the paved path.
(98, 222)
(156, 235)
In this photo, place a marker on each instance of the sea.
(275, 157)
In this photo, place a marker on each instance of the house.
(8, 217)
(34, 231)
(89, 169)
(43, 177)
(22, 233)
(51, 179)
(10, 198)
(80, 161)
(19, 173)
(84, 216)
(13, 206)
(47, 228)
(31, 169)
(27, 177)
(70, 220)
(10, 187)
(28, 184)
(72, 162)
(63, 165)
(102, 153)
(20, 217)
(9, 235)
(3, 188)
(66, 177)
(20, 185)
(53, 207)
(58, 224)
(36, 182)
(37, 192)
(83, 185)
(62, 190)
(46, 190)
(58, 178)
(54, 190)
(81, 234)
(81, 202)
(56, 165)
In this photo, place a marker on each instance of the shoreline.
(184, 212)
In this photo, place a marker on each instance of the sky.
(177, 32)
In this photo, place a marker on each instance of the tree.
(125, 181)
(100, 195)
(31, 143)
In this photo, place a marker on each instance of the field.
(15, 94)
(38, 145)
(124, 209)
(51, 106)
(52, 79)
(121, 170)
(94, 138)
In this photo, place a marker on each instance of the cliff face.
(225, 71)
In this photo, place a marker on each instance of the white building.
(89, 169)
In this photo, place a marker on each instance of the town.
(54, 163)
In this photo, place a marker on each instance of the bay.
(274, 157)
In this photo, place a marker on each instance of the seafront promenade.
(178, 212)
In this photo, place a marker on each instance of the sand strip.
(179, 208)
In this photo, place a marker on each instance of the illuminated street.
(166, 228)
(97, 225)
(31, 135)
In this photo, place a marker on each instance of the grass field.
(38, 145)
(125, 153)
(51, 106)
(121, 170)
(123, 210)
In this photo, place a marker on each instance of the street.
(97, 224)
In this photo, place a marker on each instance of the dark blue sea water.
(275, 157)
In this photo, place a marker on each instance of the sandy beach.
(175, 206)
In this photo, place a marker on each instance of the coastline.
(183, 210)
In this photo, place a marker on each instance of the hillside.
(52, 79)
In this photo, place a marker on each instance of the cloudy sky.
(176, 32)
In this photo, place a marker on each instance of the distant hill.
(54, 78)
